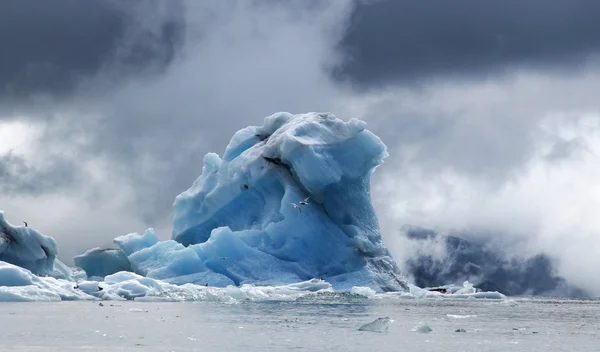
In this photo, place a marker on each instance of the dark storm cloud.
(485, 266)
(399, 40)
(48, 47)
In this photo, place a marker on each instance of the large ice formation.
(26, 247)
(242, 221)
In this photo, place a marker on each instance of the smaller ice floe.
(377, 325)
(138, 310)
(89, 287)
(99, 262)
(21, 285)
(131, 286)
(364, 291)
(456, 316)
(135, 242)
(466, 291)
(422, 328)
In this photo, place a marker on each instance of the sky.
(489, 111)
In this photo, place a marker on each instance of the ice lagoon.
(275, 246)
(307, 324)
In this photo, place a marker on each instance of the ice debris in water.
(21, 285)
(236, 225)
(464, 292)
(235, 235)
(363, 291)
(456, 316)
(377, 325)
(423, 328)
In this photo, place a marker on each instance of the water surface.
(329, 323)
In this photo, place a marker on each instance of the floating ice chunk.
(466, 289)
(62, 271)
(377, 325)
(134, 242)
(481, 295)
(27, 294)
(26, 247)
(166, 259)
(99, 262)
(418, 292)
(21, 285)
(456, 316)
(89, 287)
(364, 291)
(138, 310)
(423, 328)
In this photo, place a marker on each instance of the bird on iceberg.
(25, 222)
(296, 206)
(305, 201)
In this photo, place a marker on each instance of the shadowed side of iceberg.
(27, 248)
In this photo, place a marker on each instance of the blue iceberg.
(288, 202)
(100, 262)
(27, 248)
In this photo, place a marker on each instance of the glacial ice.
(26, 247)
(466, 291)
(21, 285)
(236, 234)
(134, 242)
(99, 262)
(243, 222)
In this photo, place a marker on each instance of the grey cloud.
(17, 176)
(50, 47)
(392, 41)
(564, 149)
(234, 70)
(486, 267)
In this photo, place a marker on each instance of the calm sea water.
(308, 324)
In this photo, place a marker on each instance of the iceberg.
(21, 285)
(100, 262)
(27, 248)
(18, 284)
(288, 202)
